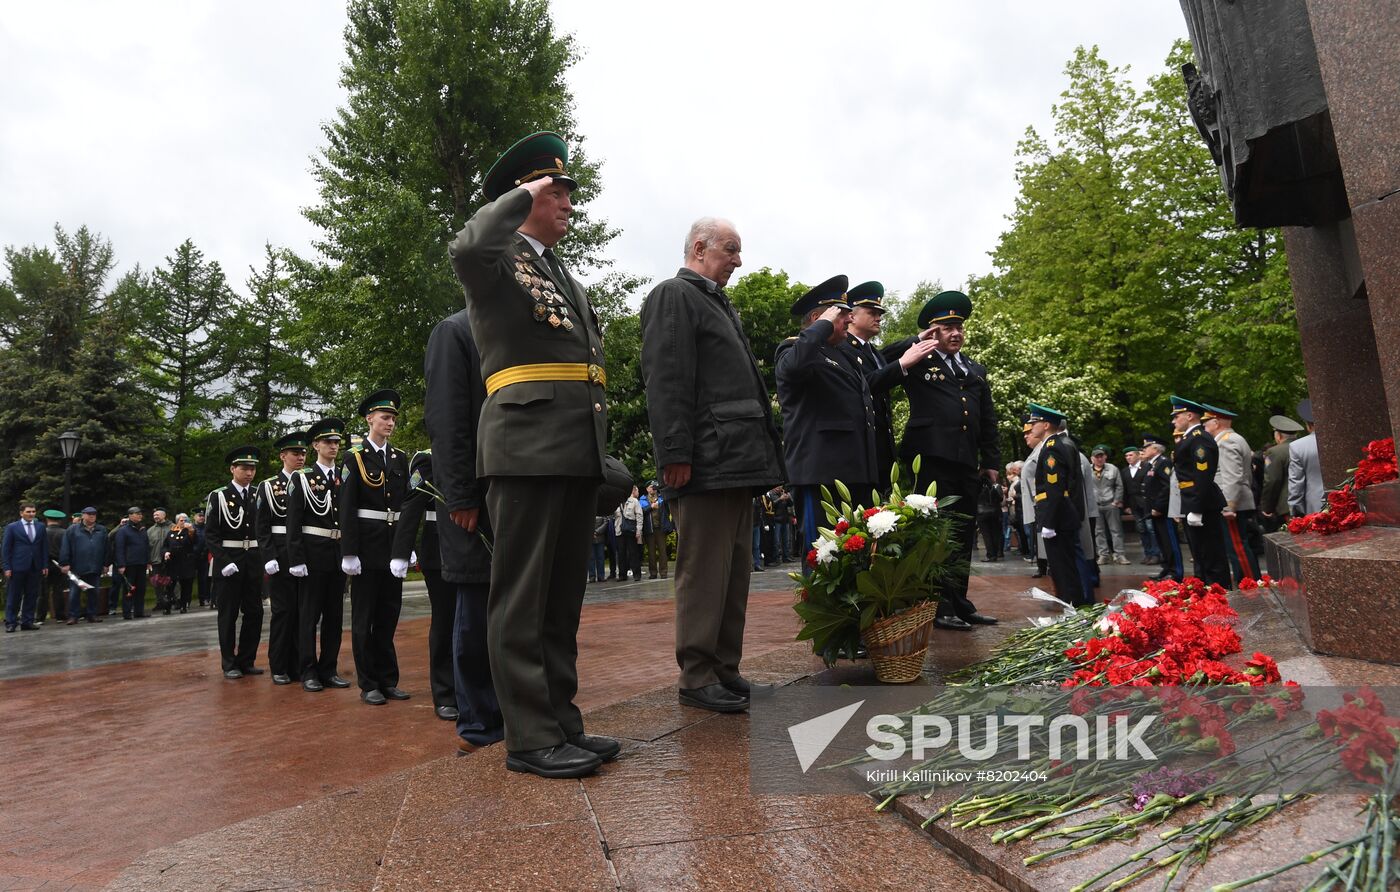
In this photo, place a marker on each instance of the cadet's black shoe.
(312, 684)
(373, 697)
(980, 620)
(745, 688)
(335, 681)
(396, 694)
(604, 748)
(447, 713)
(564, 760)
(252, 670)
(714, 697)
(232, 673)
(952, 622)
(278, 678)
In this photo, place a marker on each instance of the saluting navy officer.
(1194, 462)
(313, 550)
(374, 484)
(953, 427)
(828, 411)
(272, 545)
(421, 507)
(867, 310)
(231, 534)
(541, 444)
(1059, 501)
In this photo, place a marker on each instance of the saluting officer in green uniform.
(272, 545)
(541, 444)
(231, 535)
(1194, 461)
(374, 484)
(313, 549)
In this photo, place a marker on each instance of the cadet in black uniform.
(421, 506)
(1059, 501)
(953, 427)
(828, 411)
(1194, 460)
(231, 536)
(272, 545)
(1156, 497)
(374, 483)
(313, 550)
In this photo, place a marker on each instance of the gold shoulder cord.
(365, 475)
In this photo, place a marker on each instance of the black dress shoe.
(373, 697)
(980, 620)
(252, 670)
(312, 684)
(29, 627)
(1037, 575)
(278, 678)
(604, 748)
(335, 681)
(714, 697)
(952, 622)
(447, 713)
(232, 673)
(396, 694)
(564, 760)
(745, 688)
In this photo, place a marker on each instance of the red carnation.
(871, 512)
(855, 543)
(841, 527)
(812, 558)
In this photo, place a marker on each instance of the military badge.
(568, 325)
(1200, 452)
(554, 320)
(1050, 461)
(541, 311)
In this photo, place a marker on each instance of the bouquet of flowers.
(1343, 511)
(871, 563)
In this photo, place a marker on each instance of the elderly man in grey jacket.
(717, 446)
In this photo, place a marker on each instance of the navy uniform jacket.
(521, 317)
(231, 518)
(420, 507)
(950, 419)
(314, 504)
(1156, 483)
(882, 376)
(1059, 488)
(828, 412)
(272, 519)
(1195, 460)
(368, 485)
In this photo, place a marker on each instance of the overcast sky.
(872, 139)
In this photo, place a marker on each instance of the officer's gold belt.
(547, 371)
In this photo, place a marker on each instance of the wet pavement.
(144, 768)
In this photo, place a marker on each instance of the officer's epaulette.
(267, 480)
(303, 470)
(358, 447)
(1050, 442)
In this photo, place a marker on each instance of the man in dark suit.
(272, 547)
(867, 310)
(828, 411)
(1059, 501)
(313, 550)
(374, 484)
(232, 538)
(1157, 483)
(455, 392)
(25, 553)
(953, 428)
(55, 594)
(1195, 460)
(717, 447)
(541, 443)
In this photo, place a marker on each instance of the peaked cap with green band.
(386, 400)
(293, 440)
(1182, 404)
(537, 155)
(243, 455)
(831, 293)
(329, 428)
(1036, 412)
(867, 294)
(1217, 412)
(945, 307)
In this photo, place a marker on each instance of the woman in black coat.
(181, 561)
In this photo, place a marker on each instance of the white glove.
(412, 558)
(399, 567)
(1194, 519)
(1047, 533)
(298, 571)
(271, 567)
(350, 565)
(229, 569)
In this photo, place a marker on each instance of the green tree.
(764, 299)
(436, 91)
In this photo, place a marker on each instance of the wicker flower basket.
(897, 643)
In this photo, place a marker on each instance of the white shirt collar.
(329, 472)
(534, 243)
(952, 358)
(375, 446)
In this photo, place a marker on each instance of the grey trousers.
(714, 539)
(1112, 519)
(543, 533)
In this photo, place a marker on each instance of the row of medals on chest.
(549, 304)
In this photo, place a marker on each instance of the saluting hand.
(832, 314)
(930, 335)
(916, 353)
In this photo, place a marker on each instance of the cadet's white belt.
(367, 514)
(430, 516)
(320, 531)
(276, 530)
(239, 543)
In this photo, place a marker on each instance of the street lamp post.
(68, 444)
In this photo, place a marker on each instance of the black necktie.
(556, 267)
